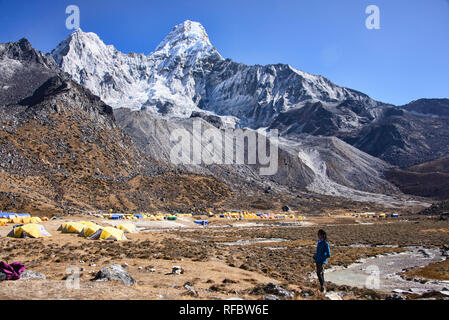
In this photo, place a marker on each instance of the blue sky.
(407, 59)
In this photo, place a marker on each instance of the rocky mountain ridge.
(186, 76)
(61, 150)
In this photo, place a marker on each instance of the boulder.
(271, 297)
(28, 274)
(307, 293)
(445, 251)
(273, 289)
(191, 291)
(333, 296)
(150, 269)
(395, 296)
(115, 272)
(177, 270)
(425, 253)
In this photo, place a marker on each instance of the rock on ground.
(273, 289)
(115, 272)
(28, 274)
(395, 296)
(333, 296)
(191, 291)
(271, 297)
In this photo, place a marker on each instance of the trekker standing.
(322, 254)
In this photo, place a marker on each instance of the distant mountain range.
(186, 74)
(121, 108)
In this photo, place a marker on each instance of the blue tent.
(202, 222)
(23, 215)
(8, 215)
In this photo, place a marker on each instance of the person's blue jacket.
(323, 252)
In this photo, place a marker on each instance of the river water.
(382, 273)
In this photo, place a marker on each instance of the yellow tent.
(20, 220)
(127, 227)
(30, 230)
(108, 233)
(15, 220)
(36, 220)
(71, 227)
(89, 230)
(88, 223)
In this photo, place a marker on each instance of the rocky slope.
(404, 137)
(22, 70)
(429, 107)
(428, 179)
(61, 150)
(324, 165)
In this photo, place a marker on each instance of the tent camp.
(127, 227)
(108, 233)
(71, 227)
(30, 230)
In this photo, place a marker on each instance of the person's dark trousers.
(320, 274)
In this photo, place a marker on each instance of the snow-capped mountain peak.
(186, 73)
(186, 33)
(80, 42)
(160, 82)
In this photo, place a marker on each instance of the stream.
(382, 273)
